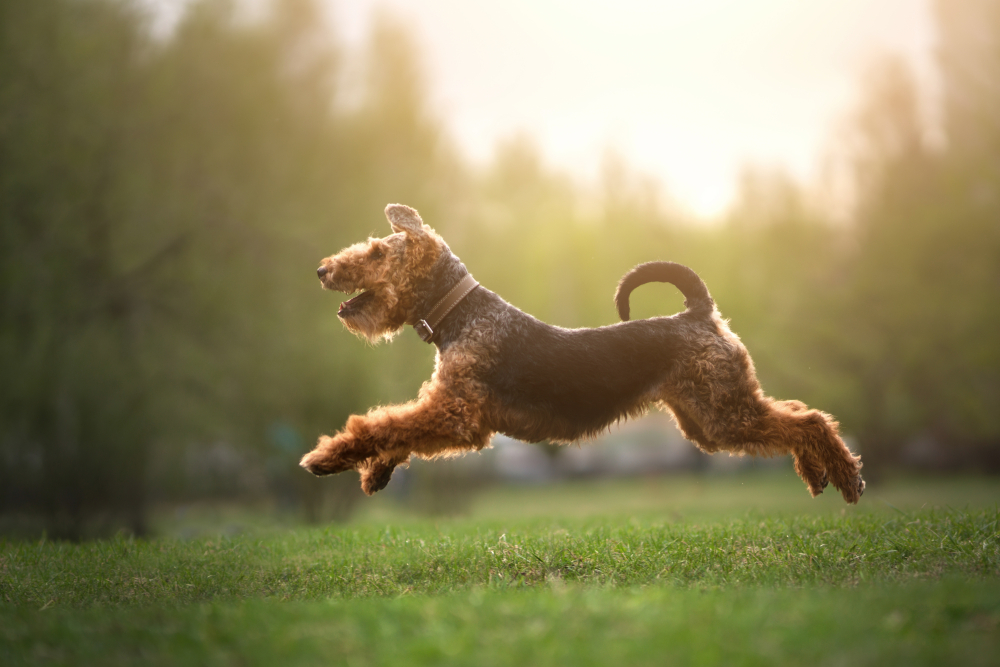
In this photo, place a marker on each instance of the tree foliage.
(164, 201)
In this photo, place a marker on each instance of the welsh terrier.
(498, 369)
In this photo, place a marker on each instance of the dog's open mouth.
(354, 304)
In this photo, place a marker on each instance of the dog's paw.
(375, 475)
(328, 458)
(815, 488)
(321, 463)
(853, 491)
(812, 473)
(845, 474)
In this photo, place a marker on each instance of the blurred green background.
(164, 201)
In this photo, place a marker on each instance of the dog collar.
(425, 327)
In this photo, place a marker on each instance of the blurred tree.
(164, 202)
(75, 430)
(894, 175)
(969, 59)
(152, 199)
(969, 56)
(925, 286)
(771, 273)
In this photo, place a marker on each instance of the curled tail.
(696, 296)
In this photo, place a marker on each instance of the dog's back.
(564, 384)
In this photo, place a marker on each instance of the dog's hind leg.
(690, 428)
(821, 456)
(765, 427)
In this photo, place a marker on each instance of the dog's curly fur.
(499, 369)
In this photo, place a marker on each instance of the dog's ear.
(404, 219)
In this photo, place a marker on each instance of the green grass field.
(740, 569)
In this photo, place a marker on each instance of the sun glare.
(686, 92)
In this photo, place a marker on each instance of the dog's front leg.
(363, 445)
(376, 443)
(334, 454)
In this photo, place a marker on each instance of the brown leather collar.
(425, 327)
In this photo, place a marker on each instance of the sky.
(685, 92)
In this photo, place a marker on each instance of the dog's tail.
(696, 296)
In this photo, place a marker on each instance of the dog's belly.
(549, 420)
(559, 384)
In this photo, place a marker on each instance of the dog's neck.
(447, 284)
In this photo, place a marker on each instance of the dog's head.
(387, 273)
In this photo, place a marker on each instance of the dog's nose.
(321, 271)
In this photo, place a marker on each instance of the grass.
(948, 622)
(527, 578)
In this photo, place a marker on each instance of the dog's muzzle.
(354, 305)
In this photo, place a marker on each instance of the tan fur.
(389, 275)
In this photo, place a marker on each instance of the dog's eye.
(377, 253)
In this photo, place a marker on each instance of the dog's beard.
(364, 316)
(354, 306)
